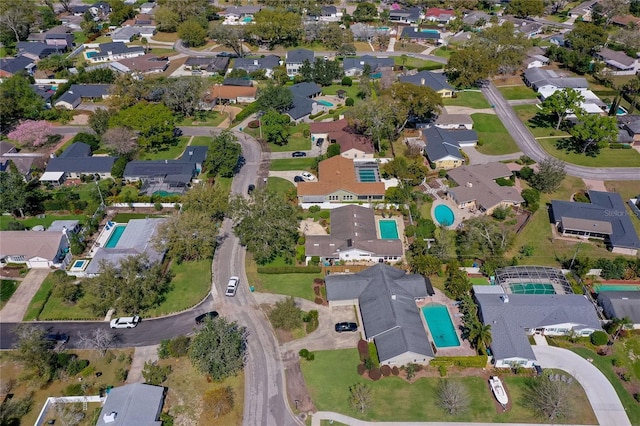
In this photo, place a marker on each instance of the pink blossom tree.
(32, 133)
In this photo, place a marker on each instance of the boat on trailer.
(498, 390)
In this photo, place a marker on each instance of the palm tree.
(632, 89)
(480, 336)
(618, 324)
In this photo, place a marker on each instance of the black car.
(251, 188)
(299, 154)
(320, 141)
(177, 132)
(346, 326)
(298, 179)
(227, 55)
(203, 317)
(56, 338)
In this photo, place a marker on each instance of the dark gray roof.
(195, 153)
(329, 10)
(39, 49)
(252, 64)
(45, 92)
(80, 91)
(437, 81)
(373, 62)
(76, 149)
(538, 77)
(60, 36)
(415, 33)
(209, 64)
(305, 90)
(86, 165)
(411, 13)
(302, 105)
(298, 56)
(81, 8)
(15, 65)
(135, 404)
(620, 304)
(604, 207)
(443, 142)
(148, 169)
(508, 320)
(244, 82)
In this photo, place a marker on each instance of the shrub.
(303, 353)
(163, 350)
(121, 374)
(349, 102)
(154, 374)
(363, 349)
(319, 300)
(385, 370)
(504, 182)
(442, 370)
(109, 357)
(361, 369)
(375, 374)
(599, 338)
(179, 346)
(76, 366)
(373, 354)
(314, 209)
(347, 81)
(88, 371)
(500, 213)
(526, 173)
(442, 173)
(253, 124)
(73, 389)
(63, 359)
(395, 371)
(325, 214)
(289, 269)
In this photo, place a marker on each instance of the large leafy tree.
(189, 236)
(324, 72)
(275, 127)
(34, 352)
(192, 33)
(586, 38)
(482, 236)
(209, 199)
(273, 27)
(266, 224)
(469, 66)
(412, 101)
(549, 176)
(18, 101)
(224, 155)
(525, 8)
(16, 17)
(457, 283)
(594, 132)
(187, 9)
(230, 36)
(219, 349)
(154, 122)
(275, 97)
(14, 192)
(365, 12)
(183, 95)
(562, 103)
(375, 118)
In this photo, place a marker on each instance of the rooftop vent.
(505, 298)
(469, 185)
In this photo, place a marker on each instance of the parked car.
(307, 176)
(57, 338)
(203, 317)
(125, 322)
(227, 55)
(251, 188)
(232, 286)
(299, 154)
(177, 132)
(298, 179)
(320, 141)
(346, 326)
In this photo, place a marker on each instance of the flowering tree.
(121, 140)
(32, 133)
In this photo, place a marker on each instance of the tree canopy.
(594, 132)
(18, 101)
(224, 155)
(275, 127)
(219, 348)
(154, 122)
(562, 103)
(549, 176)
(275, 97)
(275, 26)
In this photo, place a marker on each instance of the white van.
(125, 322)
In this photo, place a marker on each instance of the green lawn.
(417, 63)
(126, 217)
(224, 183)
(279, 185)
(627, 189)
(469, 99)
(210, 119)
(330, 375)
(607, 157)
(296, 285)
(39, 299)
(45, 306)
(170, 153)
(538, 129)
(201, 140)
(479, 281)
(79, 38)
(297, 141)
(352, 91)
(283, 164)
(511, 93)
(443, 52)
(493, 135)
(7, 288)
(33, 221)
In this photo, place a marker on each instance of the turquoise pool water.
(440, 325)
(388, 229)
(79, 263)
(91, 54)
(620, 111)
(325, 103)
(247, 19)
(367, 175)
(430, 31)
(115, 236)
(165, 193)
(614, 287)
(532, 288)
(443, 215)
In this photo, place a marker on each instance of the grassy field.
(474, 100)
(283, 164)
(39, 299)
(211, 119)
(607, 157)
(279, 185)
(126, 217)
(511, 93)
(168, 37)
(7, 288)
(297, 141)
(352, 91)
(526, 113)
(443, 52)
(417, 63)
(170, 153)
(33, 221)
(331, 374)
(492, 134)
(296, 285)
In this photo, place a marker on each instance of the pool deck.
(459, 215)
(103, 238)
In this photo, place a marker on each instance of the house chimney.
(505, 298)
(422, 81)
(255, 62)
(361, 62)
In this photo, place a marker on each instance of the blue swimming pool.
(91, 54)
(115, 236)
(440, 325)
(325, 103)
(367, 175)
(247, 19)
(443, 215)
(430, 31)
(388, 229)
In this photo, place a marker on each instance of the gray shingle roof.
(252, 64)
(148, 169)
(620, 304)
(135, 404)
(411, 13)
(508, 320)
(305, 90)
(77, 149)
(443, 142)
(298, 56)
(77, 159)
(437, 81)
(15, 65)
(538, 77)
(39, 49)
(195, 153)
(373, 62)
(302, 105)
(80, 91)
(415, 33)
(477, 183)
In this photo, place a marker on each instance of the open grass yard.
(224, 183)
(296, 142)
(279, 185)
(296, 285)
(352, 91)
(493, 136)
(207, 119)
(168, 37)
(517, 92)
(283, 164)
(126, 217)
(607, 157)
(30, 222)
(417, 62)
(410, 47)
(169, 153)
(186, 389)
(7, 288)
(469, 99)
(331, 374)
(538, 128)
(443, 52)
(201, 141)
(39, 299)
(12, 370)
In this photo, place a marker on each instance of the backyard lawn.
(511, 93)
(210, 119)
(33, 221)
(330, 375)
(607, 158)
(126, 217)
(526, 114)
(352, 91)
(170, 153)
(283, 164)
(469, 99)
(296, 285)
(492, 134)
(167, 37)
(279, 185)
(7, 288)
(443, 52)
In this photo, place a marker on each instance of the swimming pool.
(532, 288)
(614, 287)
(430, 31)
(325, 103)
(91, 54)
(388, 229)
(115, 236)
(367, 175)
(79, 265)
(440, 325)
(247, 19)
(443, 215)
(621, 110)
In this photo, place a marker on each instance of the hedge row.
(479, 361)
(246, 112)
(619, 146)
(289, 269)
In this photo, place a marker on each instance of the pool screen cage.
(518, 275)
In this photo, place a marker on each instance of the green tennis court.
(532, 288)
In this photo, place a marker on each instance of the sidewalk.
(17, 306)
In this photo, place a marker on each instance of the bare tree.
(121, 140)
(69, 414)
(99, 339)
(17, 16)
(453, 397)
(550, 398)
(360, 398)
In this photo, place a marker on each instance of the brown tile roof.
(338, 173)
(145, 63)
(232, 92)
(625, 20)
(343, 135)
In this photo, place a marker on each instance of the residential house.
(529, 29)
(629, 129)
(453, 121)
(477, 18)
(12, 66)
(303, 101)
(385, 299)
(410, 15)
(583, 10)
(73, 22)
(36, 249)
(267, 63)
(128, 33)
(477, 189)
(537, 79)
(207, 66)
(535, 58)
(416, 34)
(436, 81)
(145, 64)
(147, 8)
(295, 58)
(605, 217)
(223, 94)
(239, 15)
(354, 66)
(515, 317)
(75, 161)
(101, 9)
(133, 404)
(25, 162)
(626, 21)
(591, 104)
(115, 51)
(620, 62)
(79, 92)
(440, 16)
(38, 50)
(557, 39)
(459, 39)
(62, 40)
(365, 32)
(329, 14)
(338, 182)
(621, 304)
(46, 92)
(79, 9)
(352, 145)
(442, 146)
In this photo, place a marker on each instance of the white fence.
(141, 205)
(51, 401)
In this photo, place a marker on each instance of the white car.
(307, 176)
(125, 322)
(232, 286)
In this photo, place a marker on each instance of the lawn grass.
(296, 142)
(479, 281)
(210, 119)
(126, 217)
(283, 164)
(170, 153)
(443, 52)
(30, 222)
(7, 288)
(79, 38)
(224, 183)
(352, 91)
(201, 141)
(493, 136)
(417, 62)
(279, 185)
(167, 37)
(511, 93)
(57, 309)
(469, 99)
(296, 285)
(331, 373)
(526, 113)
(607, 157)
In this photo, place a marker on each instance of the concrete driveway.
(602, 396)
(17, 306)
(476, 157)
